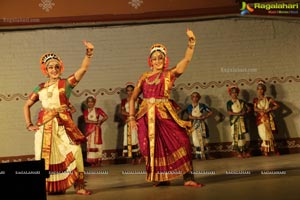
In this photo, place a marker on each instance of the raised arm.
(182, 65)
(86, 61)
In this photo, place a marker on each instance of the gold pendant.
(156, 81)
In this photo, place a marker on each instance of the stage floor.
(259, 177)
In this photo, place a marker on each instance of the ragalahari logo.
(270, 8)
(246, 8)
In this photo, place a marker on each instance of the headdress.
(158, 47)
(47, 57)
(129, 84)
(233, 88)
(262, 84)
(196, 93)
(91, 97)
(161, 48)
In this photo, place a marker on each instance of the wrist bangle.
(130, 118)
(89, 53)
(191, 44)
(29, 125)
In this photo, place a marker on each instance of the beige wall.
(228, 50)
(35, 12)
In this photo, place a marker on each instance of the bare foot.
(83, 192)
(133, 161)
(193, 184)
(247, 155)
(239, 155)
(139, 161)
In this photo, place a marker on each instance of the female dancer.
(162, 135)
(263, 106)
(57, 138)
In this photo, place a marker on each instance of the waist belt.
(154, 100)
(59, 109)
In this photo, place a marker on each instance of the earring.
(149, 62)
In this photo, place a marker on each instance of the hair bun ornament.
(47, 57)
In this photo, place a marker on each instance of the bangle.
(29, 125)
(89, 53)
(191, 44)
(131, 118)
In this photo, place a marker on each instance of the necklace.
(90, 115)
(262, 102)
(50, 93)
(155, 81)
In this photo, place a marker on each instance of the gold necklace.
(90, 116)
(50, 93)
(155, 81)
(263, 102)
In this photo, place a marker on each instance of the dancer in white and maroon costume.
(130, 139)
(57, 138)
(94, 118)
(264, 107)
